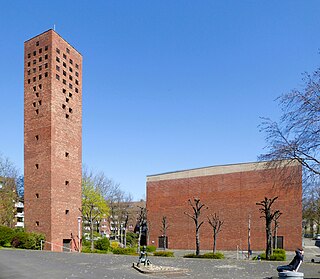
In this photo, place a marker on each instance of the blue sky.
(167, 85)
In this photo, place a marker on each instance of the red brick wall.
(47, 195)
(233, 196)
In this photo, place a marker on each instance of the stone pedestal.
(290, 275)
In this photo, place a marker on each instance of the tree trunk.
(214, 243)
(91, 234)
(197, 242)
(269, 241)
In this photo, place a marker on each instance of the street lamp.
(79, 233)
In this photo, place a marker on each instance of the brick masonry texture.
(231, 195)
(52, 138)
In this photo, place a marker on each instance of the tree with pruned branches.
(197, 206)
(216, 223)
(269, 215)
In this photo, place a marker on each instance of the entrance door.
(66, 245)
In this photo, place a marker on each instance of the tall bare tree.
(216, 223)
(297, 135)
(197, 206)
(268, 215)
(142, 223)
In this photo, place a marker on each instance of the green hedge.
(163, 254)
(17, 238)
(277, 255)
(150, 249)
(124, 251)
(102, 244)
(217, 255)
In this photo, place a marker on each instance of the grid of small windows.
(70, 74)
(39, 72)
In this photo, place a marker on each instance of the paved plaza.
(26, 264)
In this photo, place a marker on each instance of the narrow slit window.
(67, 154)
(37, 195)
(40, 86)
(46, 65)
(63, 106)
(37, 94)
(40, 59)
(67, 116)
(40, 50)
(37, 43)
(46, 57)
(70, 110)
(34, 88)
(66, 182)
(68, 51)
(37, 166)
(37, 137)
(40, 103)
(76, 90)
(64, 91)
(46, 48)
(67, 211)
(37, 111)
(57, 77)
(46, 74)
(37, 223)
(57, 59)
(29, 63)
(40, 67)
(34, 104)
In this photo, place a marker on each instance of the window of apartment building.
(40, 103)
(66, 154)
(64, 81)
(64, 56)
(40, 86)
(58, 50)
(34, 61)
(37, 111)
(40, 67)
(58, 59)
(76, 89)
(29, 81)
(40, 59)
(40, 50)
(63, 90)
(29, 55)
(29, 63)
(40, 77)
(28, 72)
(67, 116)
(46, 48)
(77, 66)
(63, 106)
(70, 86)
(70, 77)
(57, 68)
(70, 69)
(64, 64)
(37, 95)
(70, 94)
(67, 211)
(34, 104)
(46, 57)
(57, 77)
(64, 73)
(77, 82)
(68, 51)
(37, 166)
(34, 88)
(34, 53)
(70, 110)
(46, 65)
(34, 79)
(37, 43)
(37, 223)
(46, 74)
(37, 195)
(67, 100)
(33, 70)
(36, 137)
(66, 182)
(77, 74)
(70, 61)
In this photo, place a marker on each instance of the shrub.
(102, 244)
(150, 249)
(27, 240)
(132, 239)
(86, 249)
(217, 255)
(114, 244)
(163, 254)
(6, 235)
(277, 255)
(124, 251)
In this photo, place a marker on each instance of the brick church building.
(53, 139)
(232, 192)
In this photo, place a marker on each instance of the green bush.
(163, 254)
(124, 251)
(6, 235)
(277, 255)
(102, 244)
(86, 249)
(150, 249)
(217, 255)
(132, 239)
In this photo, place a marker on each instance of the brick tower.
(52, 139)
